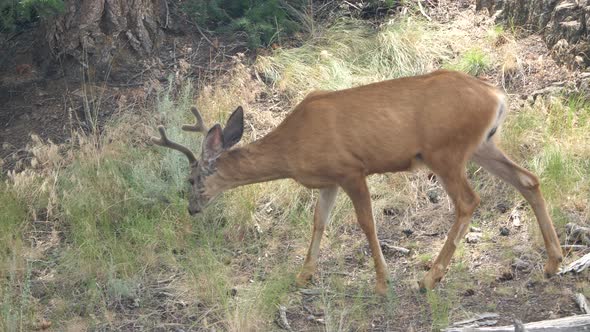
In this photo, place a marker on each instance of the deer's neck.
(260, 161)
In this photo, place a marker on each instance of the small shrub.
(263, 21)
(16, 15)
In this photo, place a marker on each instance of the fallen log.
(577, 266)
(480, 317)
(566, 324)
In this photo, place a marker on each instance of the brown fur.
(336, 139)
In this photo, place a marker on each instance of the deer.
(333, 140)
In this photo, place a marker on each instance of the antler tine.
(165, 142)
(199, 126)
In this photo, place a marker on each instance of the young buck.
(336, 139)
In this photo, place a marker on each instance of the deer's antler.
(199, 126)
(165, 142)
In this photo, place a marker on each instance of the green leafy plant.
(474, 62)
(263, 21)
(15, 15)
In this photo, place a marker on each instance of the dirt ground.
(53, 107)
(52, 99)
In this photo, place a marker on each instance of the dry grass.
(98, 237)
(350, 53)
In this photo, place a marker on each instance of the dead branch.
(578, 265)
(566, 324)
(574, 247)
(402, 250)
(487, 316)
(283, 318)
(422, 11)
(306, 291)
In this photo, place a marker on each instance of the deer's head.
(217, 140)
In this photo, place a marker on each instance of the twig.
(575, 246)
(422, 11)
(481, 317)
(167, 280)
(167, 14)
(283, 318)
(352, 5)
(306, 291)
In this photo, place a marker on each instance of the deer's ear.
(234, 128)
(213, 144)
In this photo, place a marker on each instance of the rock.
(502, 207)
(391, 211)
(469, 292)
(473, 237)
(504, 231)
(520, 265)
(433, 196)
(506, 276)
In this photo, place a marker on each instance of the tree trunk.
(107, 35)
(563, 24)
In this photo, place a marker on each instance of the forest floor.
(96, 235)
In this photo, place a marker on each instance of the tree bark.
(563, 23)
(107, 34)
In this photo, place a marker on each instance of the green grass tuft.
(474, 62)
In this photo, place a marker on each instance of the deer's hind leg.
(466, 201)
(492, 159)
(321, 215)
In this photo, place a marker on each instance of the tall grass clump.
(119, 205)
(550, 137)
(474, 62)
(14, 268)
(351, 53)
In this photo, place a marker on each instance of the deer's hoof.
(428, 282)
(381, 288)
(552, 266)
(303, 279)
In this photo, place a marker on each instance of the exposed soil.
(52, 98)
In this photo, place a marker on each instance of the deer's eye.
(191, 181)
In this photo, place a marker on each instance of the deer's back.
(384, 126)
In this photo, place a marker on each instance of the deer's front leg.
(358, 192)
(320, 219)
(465, 201)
